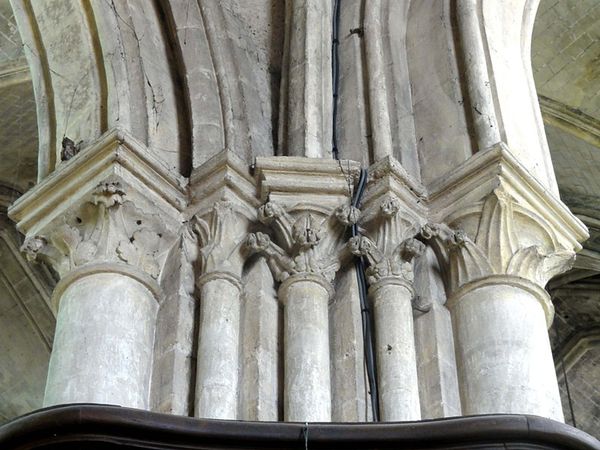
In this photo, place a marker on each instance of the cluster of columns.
(110, 220)
(110, 292)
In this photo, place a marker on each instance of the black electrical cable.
(368, 343)
(359, 263)
(335, 75)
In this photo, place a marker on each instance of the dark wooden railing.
(91, 427)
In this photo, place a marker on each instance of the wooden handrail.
(90, 426)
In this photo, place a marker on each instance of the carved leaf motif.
(33, 247)
(495, 235)
(532, 264)
(258, 242)
(141, 250)
(466, 261)
(66, 239)
(201, 229)
(275, 215)
(390, 206)
(222, 215)
(221, 236)
(312, 243)
(279, 263)
(556, 263)
(108, 194)
(270, 211)
(398, 263)
(311, 262)
(410, 249)
(84, 253)
(100, 231)
(147, 243)
(127, 252)
(307, 232)
(495, 249)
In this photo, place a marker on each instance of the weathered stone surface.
(434, 341)
(104, 343)
(228, 309)
(261, 345)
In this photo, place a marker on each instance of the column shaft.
(218, 350)
(503, 352)
(307, 384)
(306, 96)
(395, 352)
(104, 342)
(481, 100)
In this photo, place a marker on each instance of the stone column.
(104, 340)
(500, 311)
(438, 380)
(220, 232)
(261, 345)
(306, 270)
(306, 84)
(105, 223)
(307, 390)
(395, 351)
(503, 352)
(476, 73)
(391, 292)
(217, 374)
(109, 255)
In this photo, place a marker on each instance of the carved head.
(32, 246)
(348, 215)
(69, 149)
(269, 211)
(109, 194)
(257, 242)
(430, 230)
(390, 206)
(458, 239)
(307, 231)
(359, 246)
(411, 248)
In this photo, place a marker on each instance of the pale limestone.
(434, 339)
(261, 345)
(104, 341)
(307, 384)
(503, 352)
(218, 350)
(122, 207)
(395, 350)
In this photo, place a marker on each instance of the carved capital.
(389, 221)
(492, 246)
(220, 233)
(388, 241)
(311, 241)
(395, 264)
(105, 229)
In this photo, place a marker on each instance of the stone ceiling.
(566, 68)
(566, 53)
